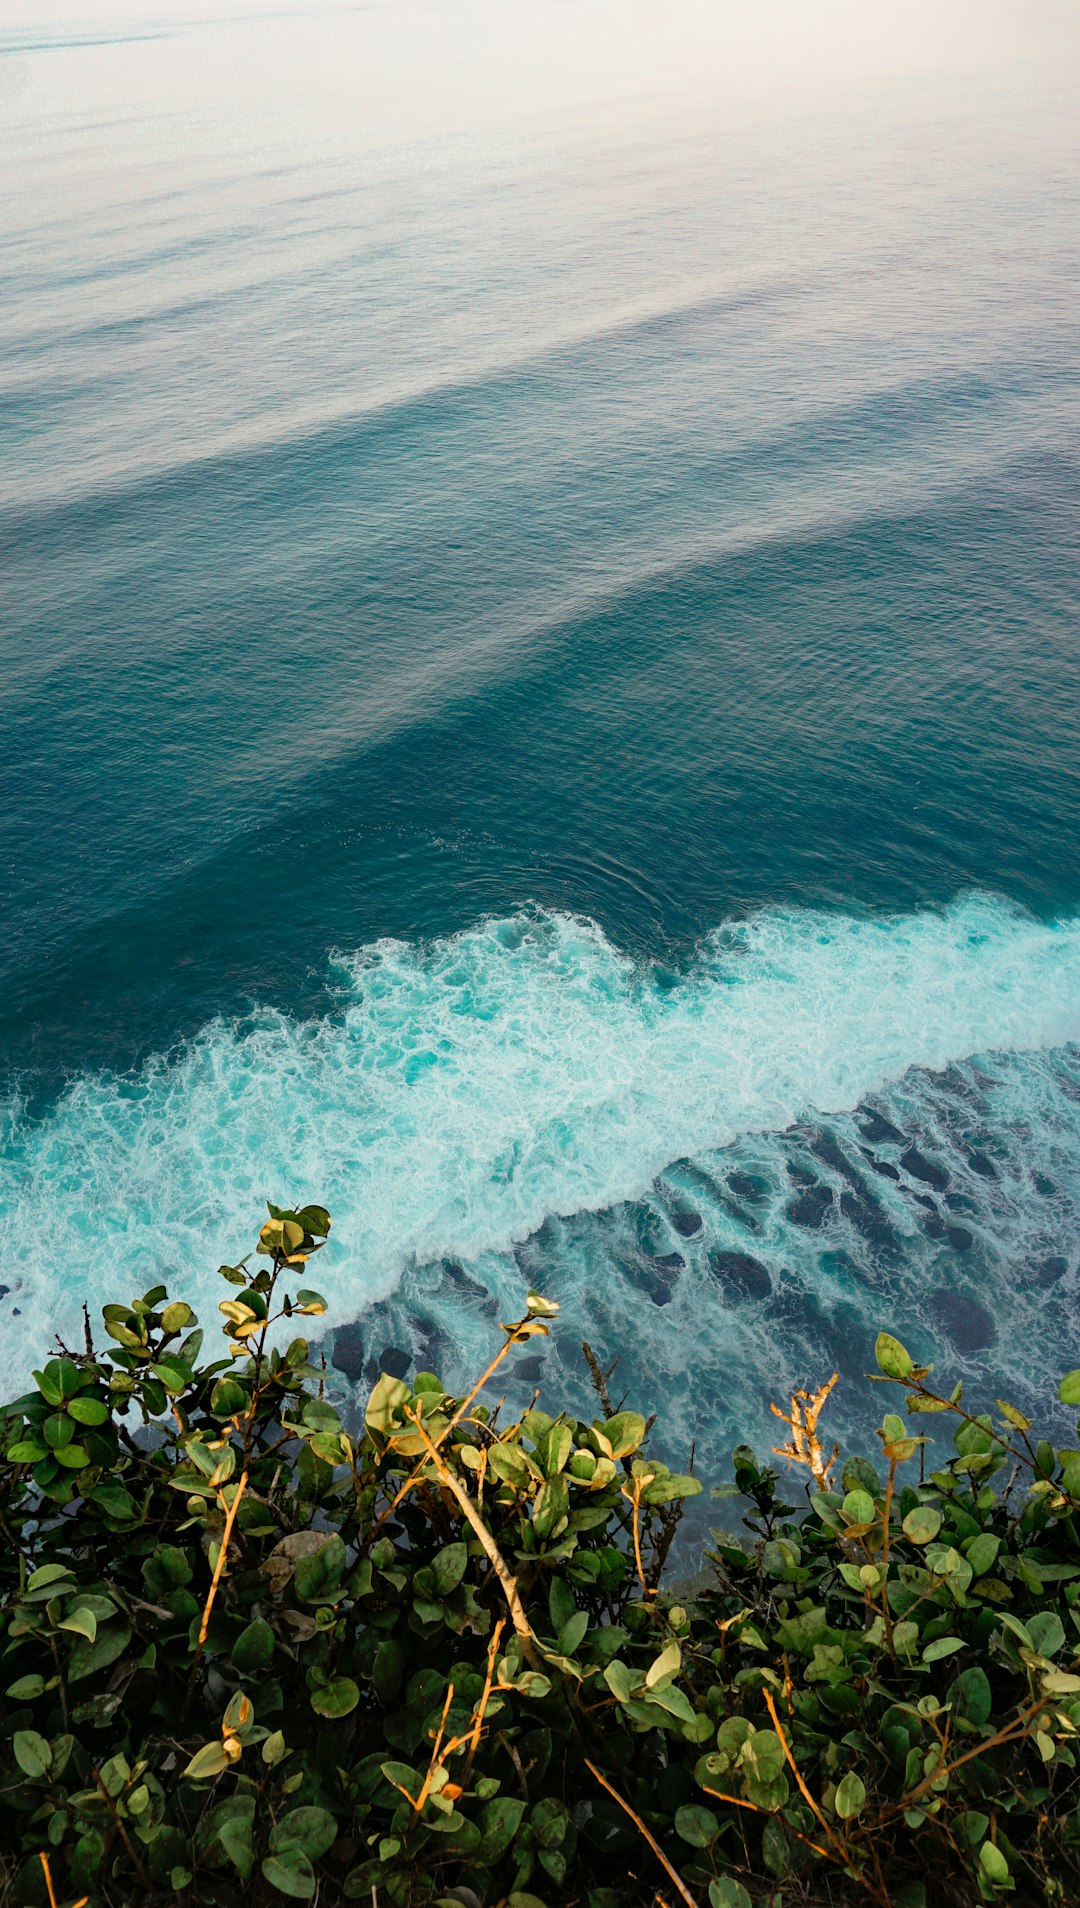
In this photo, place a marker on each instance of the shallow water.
(541, 693)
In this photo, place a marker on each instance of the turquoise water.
(542, 693)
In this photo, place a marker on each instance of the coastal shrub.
(247, 1653)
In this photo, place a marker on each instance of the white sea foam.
(471, 1088)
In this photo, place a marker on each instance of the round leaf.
(336, 1698)
(993, 1863)
(58, 1431)
(26, 1689)
(72, 1457)
(922, 1524)
(290, 1873)
(850, 1796)
(892, 1357)
(1069, 1393)
(311, 1830)
(207, 1762)
(696, 1825)
(32, 1752)
(254, 1647)
(88, 1411)
(942, 1646)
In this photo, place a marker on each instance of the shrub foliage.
(245, 1654)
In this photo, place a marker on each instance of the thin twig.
(491, 1550)
(493, 1651)
(738, 1802)
(803, 1790)
(599, 1377)
(136, 1860)
(671, 1873)
(634, 1500)
(230, 1519)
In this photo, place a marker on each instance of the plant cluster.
(247, 1653)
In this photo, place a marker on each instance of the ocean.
(541, 688)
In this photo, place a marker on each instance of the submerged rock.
(462, 1279)
(1048, 1271)
(867, 1218)
(658, 1276)
(748, 1186)
(877, 1130)
(686, 1223)
(395, 1361)
(967, 1323)
(882, 1166)
(348, 1352)
(920, 1167)
(747, 1276)
(811, 1209)
(833, 1158)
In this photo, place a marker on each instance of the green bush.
(247, 1655)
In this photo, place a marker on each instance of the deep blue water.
(540, 704)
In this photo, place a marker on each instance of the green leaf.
(59, 1381)
(86, 1658)
(312, 1830)
(763, 1755)
(696, 1825)
(27, 1689)
(83, 1622)
(320, 1416)
(1046, 1632)
(58, 1431)
(666, 1664)
(228, 1398)
(1069, 1393)
(88, 1411)
(32, 1753)
(315, 1220)
(726, 1892)
(72, 1457)
(290, 1873)
(550, 1506)
(942, 1646)
(26, 1451)
(48, 1574)
(570, 1639)
(982, 1551)
(254, 1647)
(624, 1432)
(892, 1358)
(177, 1317)
(991, 1860)
(384, 1406)
(500, 1820)
(970, 1696)
(859, 1508)
(922, 1524)
(507, 1462)
(561, 1604)
(336, 1698)
(449, 1566)
(167, 1568)
(318, 1576)
(235, 1836)
(207, 1762)
(850, 1795)
(388, 1670)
